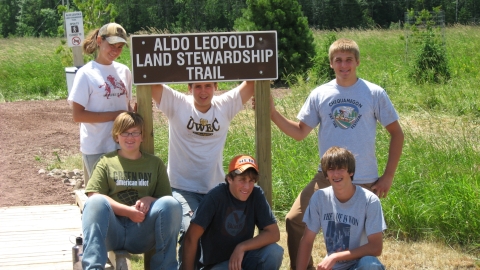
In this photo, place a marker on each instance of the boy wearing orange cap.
(225, 223)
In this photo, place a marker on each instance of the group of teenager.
(136, 203)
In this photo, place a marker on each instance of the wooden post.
(263, 137)
(77, 56)
(144, 108)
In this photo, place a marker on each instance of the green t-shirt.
(126, 180)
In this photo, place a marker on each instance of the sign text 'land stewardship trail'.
(230, 56)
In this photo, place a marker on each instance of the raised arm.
(192, 236)
(157, 91)
(80, 115)
(384, 183)
(372, 248)
(267, 236)
(247, 89)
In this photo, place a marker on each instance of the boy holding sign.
(198, 126)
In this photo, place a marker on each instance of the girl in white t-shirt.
(101, 90)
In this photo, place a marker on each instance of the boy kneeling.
(350, 216)
(225, 223)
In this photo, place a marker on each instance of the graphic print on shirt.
(113, 84)
(128, 197)
(337, 237)
(235, 222)
(345, 115)
(203, 128)
(130, 180)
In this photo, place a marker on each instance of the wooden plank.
(80, 198)
(42, 266)
(40, 257)
(120, 259)
(36, 209)
(263, 137)
(38, 237)
(52, 234)
(41, 225)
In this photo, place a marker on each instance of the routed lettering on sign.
(204, 57)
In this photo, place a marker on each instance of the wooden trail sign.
(232, 56)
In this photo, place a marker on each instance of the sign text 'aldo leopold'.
(204, 57)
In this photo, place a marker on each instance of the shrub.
(321, 71)
(295, 39)
(430, 63)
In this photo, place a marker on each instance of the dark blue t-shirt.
(228, 221)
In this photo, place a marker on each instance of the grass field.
(436, 191)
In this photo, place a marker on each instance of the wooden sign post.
(263, 137)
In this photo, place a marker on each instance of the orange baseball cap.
(241, 163)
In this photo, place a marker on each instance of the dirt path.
(31, 132)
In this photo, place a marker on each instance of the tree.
(430, 63)
(464, 15)
(8, 20)
(294, 37)
(96, 13)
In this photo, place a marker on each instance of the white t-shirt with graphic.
(346, 225)
(196, 139)
(348, 118)
(100, 88)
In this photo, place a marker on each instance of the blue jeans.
(266, 258)
(189, 201)
(368, 263)
(104, 231)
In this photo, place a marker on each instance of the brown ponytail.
(90, 43)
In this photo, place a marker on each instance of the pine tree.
(294, 37)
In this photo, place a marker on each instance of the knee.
(276, 251)
(169, 208)
(274, 254)
(95, 204)
(370, 262)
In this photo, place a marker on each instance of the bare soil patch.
(32, 131)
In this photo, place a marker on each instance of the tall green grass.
(29, 69)
(435, 194)
(436, 190)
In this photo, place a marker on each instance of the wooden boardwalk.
(38, 237)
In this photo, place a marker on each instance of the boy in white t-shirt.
(350, 216)
(198, 126)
